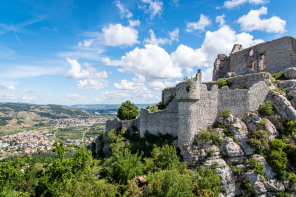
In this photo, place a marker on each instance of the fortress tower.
(187, 94)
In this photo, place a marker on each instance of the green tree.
(127, 111)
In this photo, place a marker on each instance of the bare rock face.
(269, 173)
(230, 149)
(239, 131)
(274, 186)
(226, 176)
(253, 122)
(283, 107)
(290, 73)
(256, 180)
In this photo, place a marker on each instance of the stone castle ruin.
(273, 56)
(196, 105)
(193, 106)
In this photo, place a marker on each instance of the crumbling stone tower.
(187, 94)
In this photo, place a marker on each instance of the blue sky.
(104, 51)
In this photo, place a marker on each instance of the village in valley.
(73, 131)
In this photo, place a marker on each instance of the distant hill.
(14, 116)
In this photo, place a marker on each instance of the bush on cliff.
(266, 110)
(127, 111)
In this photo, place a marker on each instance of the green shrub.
(225, 113)
(236, 170)
(258, 168)
(277, 144)
(209, 180)
(187, 88)
(168, 183)
(164, 158)
(278, 161)
(262, 124)
(289, 126)
(259, 140)
(222, 82)
(127, 111)
(205, 136)
(290, 149)
(266, 110)
(152, 108)
(279, 76)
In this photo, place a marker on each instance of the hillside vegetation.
(16, 116)
(133, 167)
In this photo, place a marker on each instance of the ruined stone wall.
(272, 56)
(167, 93)
(119, 124)
(164, 121)
(246, 81)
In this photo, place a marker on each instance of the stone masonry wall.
(273, 56)
(195, 116)
(237, 101)
(164, 121)
(167, 93)
(119, 124)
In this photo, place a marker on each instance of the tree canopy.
(127, 111)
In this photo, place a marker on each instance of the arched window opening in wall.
(253, 65)
(251, 53)
(262, 65)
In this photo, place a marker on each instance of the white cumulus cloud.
(118, 35)
(235, 3)
(173, 36)
(199, 25)
(154, 7)
(151, 62)
(123, 12)
(220, 20)
(252, 21)
(156, 66)
(90, 77)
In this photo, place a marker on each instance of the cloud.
(85, 43)
(124, 13)
(159, 85)
(92, 84)
(235, 3)
(19, 28)
(174, 3)
(154, 7)
(133, 23)
(135, 91)
(199, 25)
(220, 41)
(151, 62)
(220, 20)
(75, 71)
(8, 87)
(75, 97)
(252, 21)
(173, 36)
(118, 35)
(17, 71)
(156, 66)
(92, 78)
